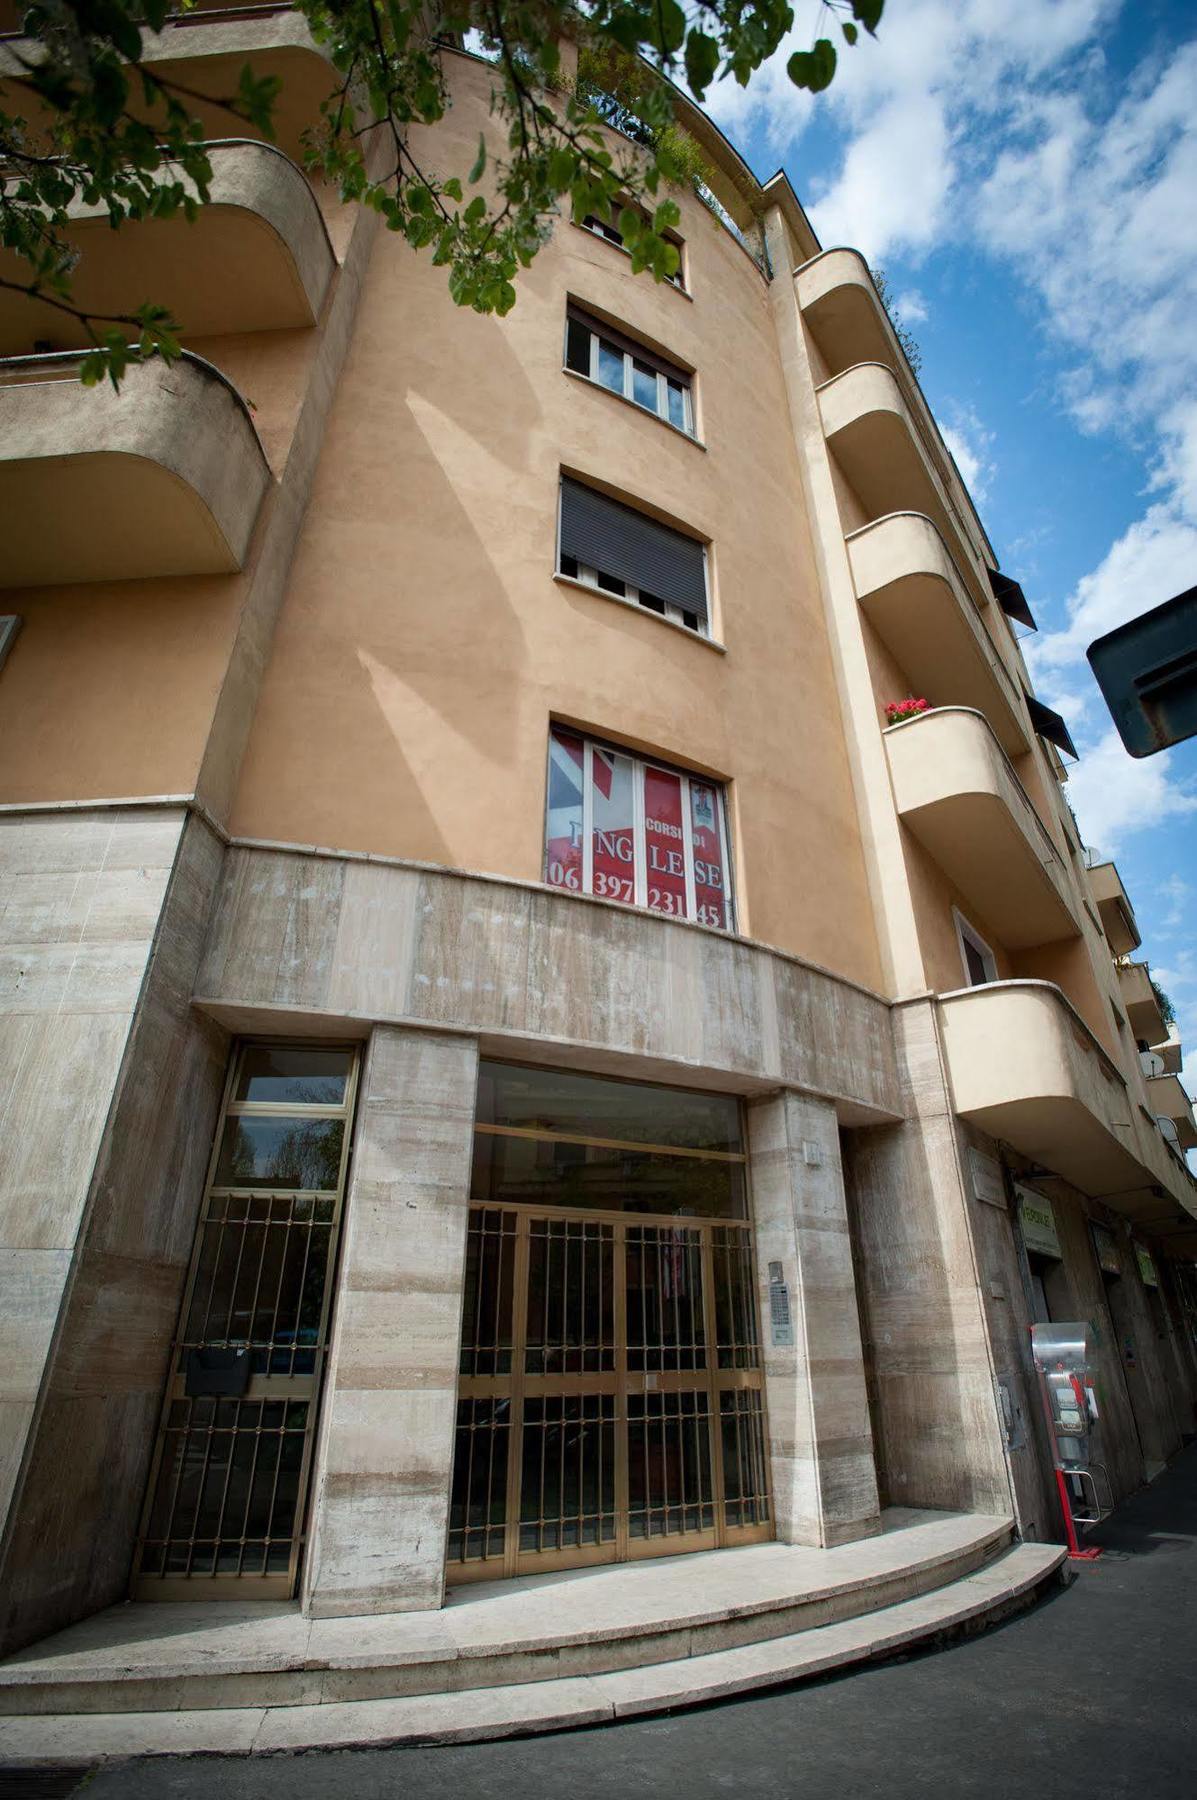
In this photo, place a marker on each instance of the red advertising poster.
(613, 827)
(710, 881)
(665, 860)
(563, 829)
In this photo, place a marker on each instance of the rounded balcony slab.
(165, 477)
(257, 258)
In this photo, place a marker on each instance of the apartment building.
(510, 1060)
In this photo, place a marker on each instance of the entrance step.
(553, 1704)
(178, 1657)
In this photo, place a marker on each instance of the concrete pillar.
(380, 1505)
(820, 1441)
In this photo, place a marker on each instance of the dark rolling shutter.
(1050, 725)
(616, 540)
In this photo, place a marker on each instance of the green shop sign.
(1038, 1223)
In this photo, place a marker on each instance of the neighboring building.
(471, 935)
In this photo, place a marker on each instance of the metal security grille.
(610, 1396)
(226, 1493)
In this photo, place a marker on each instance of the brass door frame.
(297, 1389)
(621, 1383)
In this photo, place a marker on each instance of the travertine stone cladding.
(82, 892)
(535, 972)
(380, 1510)
(110, 1088)
(940, 1443)
(820, 1442)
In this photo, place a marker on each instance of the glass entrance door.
(224, 1514)
(610, 1399)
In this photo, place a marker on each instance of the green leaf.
(850, 32)
(869, 13)
(702, 60)
(479, 168)
(475, 211)
(669, 22)
(452, 188)
(813, 68)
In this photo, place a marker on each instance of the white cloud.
(971, 445)
(1179, 895)
(1155, 558)
(1114, 795)
(911, 307)
(894, 182)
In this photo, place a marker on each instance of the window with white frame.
(605, 356)
(627, 828)
(980, 965)
(605, 229)
(623, 552)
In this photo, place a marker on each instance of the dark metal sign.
(1147, 672)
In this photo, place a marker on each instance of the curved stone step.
(583, 1622)
(550, 1705)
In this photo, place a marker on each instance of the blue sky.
(1026, 175)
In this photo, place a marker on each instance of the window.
(602, 228)
(10, 624)
(625, 828)
(605, 356)
(623, 552)
(980, 965)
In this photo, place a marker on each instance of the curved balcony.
(1168, 1099)
(915, 597)
(886, 455)
(1114, 907)
(206, 50)
(844, 313)
(1025, 1068)
(164, 478)
(956, 792)
(262, 222)
(1140, 1005)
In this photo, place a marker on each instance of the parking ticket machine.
(1064, 1359)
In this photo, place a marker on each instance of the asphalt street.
(1091, 1694)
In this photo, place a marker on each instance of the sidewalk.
(1091, 1696)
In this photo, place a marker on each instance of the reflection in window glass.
(258, 1151)
(562, 1100)
(677, 405)
(555, 1172)
(644, 385)
(610, 366)
(293, 1077)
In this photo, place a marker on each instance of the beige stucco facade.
(282, 775)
